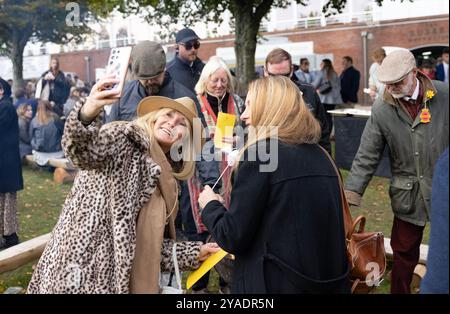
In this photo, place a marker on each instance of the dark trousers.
(405, 242)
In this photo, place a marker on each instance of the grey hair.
(215, 63)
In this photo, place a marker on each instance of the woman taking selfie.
(116, 229)
(285, 221)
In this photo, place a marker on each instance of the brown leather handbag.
(365, 250)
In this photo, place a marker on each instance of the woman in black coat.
(285, 222)
(55, 87)
(10, 169)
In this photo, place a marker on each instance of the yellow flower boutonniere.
(430, 94)
(425, 115)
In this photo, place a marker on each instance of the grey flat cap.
(396, 66)
(148, 60)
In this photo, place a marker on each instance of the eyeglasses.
(190, 44)
(281, 74)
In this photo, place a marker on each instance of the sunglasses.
(281, 74)
(190, 44)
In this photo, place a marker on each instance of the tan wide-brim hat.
(184, 105)
(396, 66)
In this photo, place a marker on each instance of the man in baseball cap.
(186, 67)
(411, 119)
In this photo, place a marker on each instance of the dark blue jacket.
(350, 85)
(440, 73)
(134, 92)
(436, 278)
(285, 227)
(185, 74)
(46, 138)
(10, 165)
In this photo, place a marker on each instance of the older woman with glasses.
(215, 94)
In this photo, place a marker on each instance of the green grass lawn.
(41, 201)
(39, 204)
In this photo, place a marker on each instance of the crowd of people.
(40, 109)
(147, 190)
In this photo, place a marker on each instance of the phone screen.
(118, 65)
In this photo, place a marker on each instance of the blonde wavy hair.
(187, 166)
(215, 63)
(276, 102)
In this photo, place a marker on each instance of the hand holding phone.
(100, 96)
(117, 66)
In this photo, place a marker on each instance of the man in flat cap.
(186, 67)
(412, 120)
(149, 78)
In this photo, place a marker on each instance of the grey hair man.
(411, 119)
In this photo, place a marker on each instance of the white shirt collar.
(415, 95)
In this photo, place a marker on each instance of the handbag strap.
(175, 265)
(348, 220)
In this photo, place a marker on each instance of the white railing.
(118, 42)
(368, 17)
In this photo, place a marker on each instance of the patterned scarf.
(195, 185)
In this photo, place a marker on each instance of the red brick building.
(357, 40)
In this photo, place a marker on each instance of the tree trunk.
(19, 40)
(17, 61)
(245, 47)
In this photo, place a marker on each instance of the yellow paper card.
(224, 128)
(205, 267)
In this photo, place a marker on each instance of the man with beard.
(186, 67)
(412, 120)
(148, 62)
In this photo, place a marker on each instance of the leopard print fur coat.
(92, 246)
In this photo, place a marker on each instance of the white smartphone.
(118, 61)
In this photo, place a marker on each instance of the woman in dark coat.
(10, 169)
(285, 222)
(55, 87)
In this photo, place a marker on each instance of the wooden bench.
(65, 172)
(22, 253)
(28, 251)
(423, 251)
